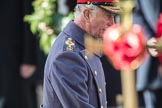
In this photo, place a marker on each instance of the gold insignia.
(70, 44)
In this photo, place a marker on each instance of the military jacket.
(73, 79)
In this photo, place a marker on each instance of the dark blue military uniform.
(73, 79)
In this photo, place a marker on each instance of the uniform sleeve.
(69, 76)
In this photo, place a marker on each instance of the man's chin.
(98, 37)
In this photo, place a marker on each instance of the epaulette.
(69, 44)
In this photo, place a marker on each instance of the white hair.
(80, 7)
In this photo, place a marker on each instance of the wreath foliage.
(45, 22)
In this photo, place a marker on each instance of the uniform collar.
(74, 31)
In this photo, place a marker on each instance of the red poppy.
(125, 50)
(159, 32)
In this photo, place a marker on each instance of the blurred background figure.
(20, 69)
(113, 83)
(149, 81)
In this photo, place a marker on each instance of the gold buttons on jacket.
(102, 106)
(70, 44)
(86, 57)
(100, 90)
(95, 73)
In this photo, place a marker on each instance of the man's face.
(100, 21)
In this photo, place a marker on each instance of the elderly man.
(73, 79)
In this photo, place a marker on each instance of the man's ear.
(86, 14)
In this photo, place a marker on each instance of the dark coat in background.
(146, 14)
(149, 81)
(113, 82)
(16, 47)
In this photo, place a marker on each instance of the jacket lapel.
(97, 73)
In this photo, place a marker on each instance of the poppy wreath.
(125, 50)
